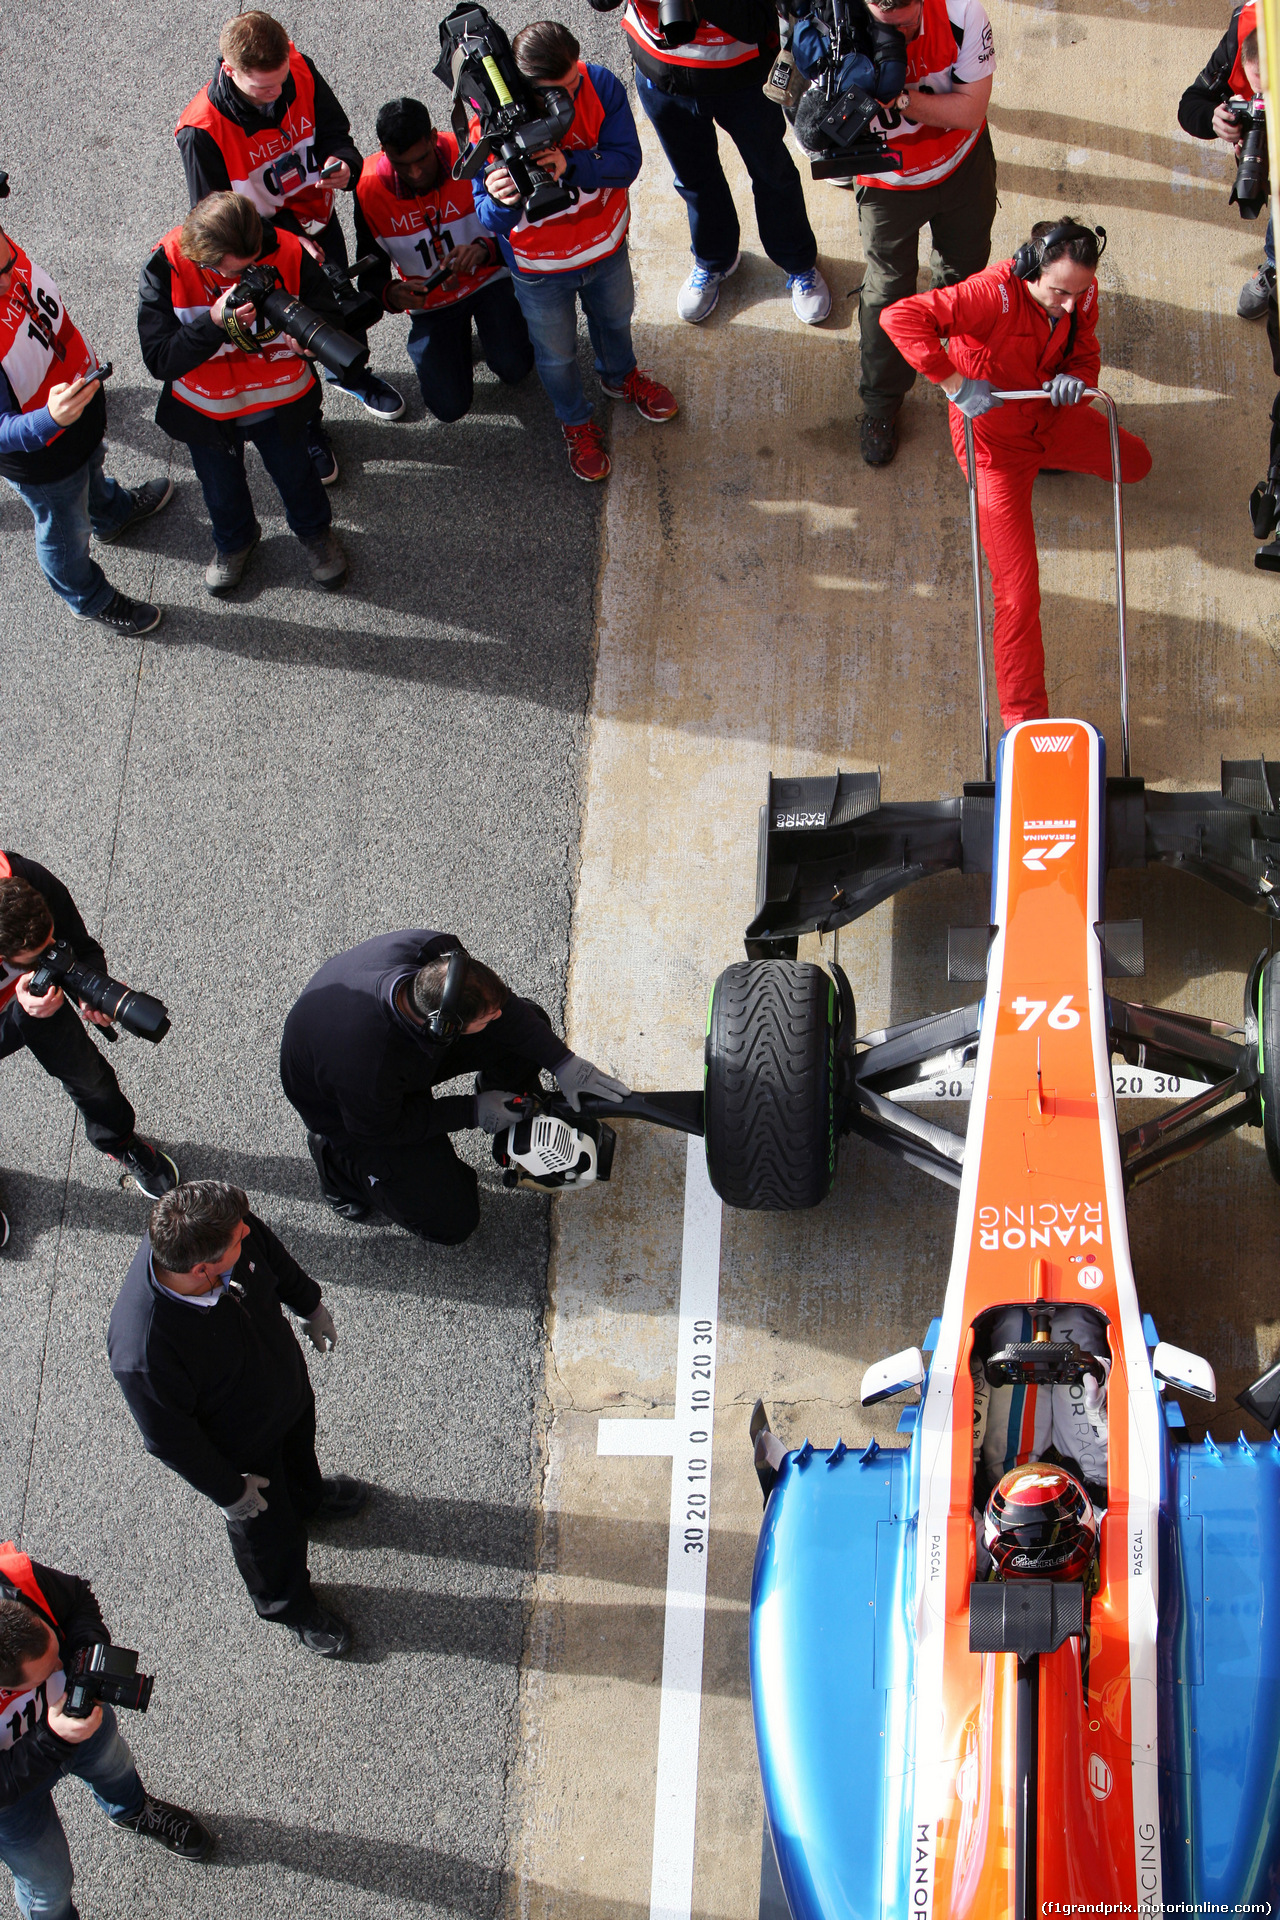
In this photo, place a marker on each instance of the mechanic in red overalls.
(1026, 322)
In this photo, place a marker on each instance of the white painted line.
(636, 1437)
(680, 1715)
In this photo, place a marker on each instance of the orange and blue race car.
(1030, 1661)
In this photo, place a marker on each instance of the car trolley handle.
(1113, 427)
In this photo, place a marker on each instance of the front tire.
(1269, 1058)
(770, 1085)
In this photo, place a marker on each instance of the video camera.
(108, 1674)
(499, 116)
(837, 125)
(279, 311)
(138, 1013)
(1252, 184)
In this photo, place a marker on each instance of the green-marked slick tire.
(1269, 1058)
(770, 1085)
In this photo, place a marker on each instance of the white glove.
(251, 1501)
(321, 1331)
(576, 1076)
(492, 1110)
(1095, 1405)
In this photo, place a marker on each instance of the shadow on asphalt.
(404, 1872)
(578, 1546)
(563, 1637)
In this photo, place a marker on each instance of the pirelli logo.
(1051, 742)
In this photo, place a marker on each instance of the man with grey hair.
(217, 1383)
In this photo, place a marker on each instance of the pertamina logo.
(1056, 838)
(1051, 742)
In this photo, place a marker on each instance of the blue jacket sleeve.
(615, 159)
(23, 432)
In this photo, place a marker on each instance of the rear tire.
(770, 1085)
(1269, 1059)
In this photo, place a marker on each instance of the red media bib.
(277, 167)
(232, 382)
(417, 230)
(593, 229)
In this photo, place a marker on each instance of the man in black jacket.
(217, 1383)
(358, 1059)
(45, 1617)
(218, 394)
(35, 910)
(1233, 71)
(52, 421)
(714, 80)
(268, 126)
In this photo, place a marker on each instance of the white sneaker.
(810, 296)
(701, 291)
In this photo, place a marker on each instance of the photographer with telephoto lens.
(1224, 102)
(222, 389)
(51, 1625)
(269, 126)
(581, 253)
(38, 918)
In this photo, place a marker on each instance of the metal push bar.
(1113, 424)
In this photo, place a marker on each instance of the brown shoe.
(878, 437)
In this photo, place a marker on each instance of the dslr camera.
(138, 1013)
(1251, 183)
(278, 311)
(105, 1673)
(499, 116)
(358, 311)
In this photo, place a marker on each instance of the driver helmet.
(1039, 1524)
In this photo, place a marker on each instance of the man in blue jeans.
(579, 254)
(218, 394)
(689, 86)
(52, 419)
(45, 1617)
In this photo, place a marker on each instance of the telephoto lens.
(1252, 184)
(138, 1013)
(677, 22)
(331, 346)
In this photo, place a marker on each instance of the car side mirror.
(894, 1375)
(1175, 1367)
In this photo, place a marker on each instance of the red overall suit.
(995, 331)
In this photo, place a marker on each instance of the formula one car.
(1029, 1662)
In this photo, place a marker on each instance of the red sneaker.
(587, 456)
(650, 399)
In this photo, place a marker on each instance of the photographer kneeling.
(1027, 322)
(45, 1617)
(35, 911)
(435, 261)
(218, 394)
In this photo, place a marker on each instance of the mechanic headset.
(446, 1023)
(1028, 261)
